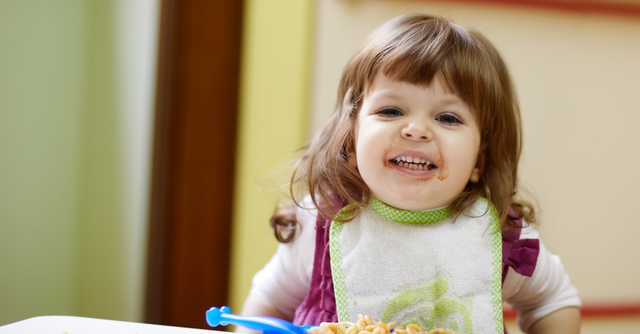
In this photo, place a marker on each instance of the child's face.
(416, 146)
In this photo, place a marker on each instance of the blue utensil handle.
(214, 316)
(268, 325)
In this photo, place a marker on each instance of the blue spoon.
(268, 325)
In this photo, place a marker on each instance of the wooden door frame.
(193, 160)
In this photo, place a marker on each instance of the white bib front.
(421, 267)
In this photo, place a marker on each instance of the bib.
(421, 267)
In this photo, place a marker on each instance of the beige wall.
(578, 79)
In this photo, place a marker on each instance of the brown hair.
(415, 49)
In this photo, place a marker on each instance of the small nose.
(415, 131)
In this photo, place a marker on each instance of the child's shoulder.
(529, 232)
(306, 212)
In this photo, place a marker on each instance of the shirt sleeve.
(546, 291)
(284, 281)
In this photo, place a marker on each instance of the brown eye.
(448, 119)
(389, 112)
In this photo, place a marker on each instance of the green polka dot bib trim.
(409, 217)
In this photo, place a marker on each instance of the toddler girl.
(409, 214)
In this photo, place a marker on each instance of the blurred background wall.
(76, 90)
(77, 81)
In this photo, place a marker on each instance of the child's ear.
(475, 175)
(477, 170)
(351, 159)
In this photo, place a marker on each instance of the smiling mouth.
(413, 163)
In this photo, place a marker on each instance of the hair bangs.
(414, 52)
(415, 66)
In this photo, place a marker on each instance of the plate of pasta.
(365, 325)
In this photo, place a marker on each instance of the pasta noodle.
(365, 325)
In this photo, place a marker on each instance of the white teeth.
(413, 163)
(410, 159)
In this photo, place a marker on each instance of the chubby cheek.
(462, 169)
(371, 162)
(364, 158)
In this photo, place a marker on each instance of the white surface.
(73, 325)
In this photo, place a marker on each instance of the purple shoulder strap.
(320, 303)
(519, 254)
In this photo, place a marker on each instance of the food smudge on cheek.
(443, 170)
(385, 162)
(443, 173)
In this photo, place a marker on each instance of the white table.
(78, 325)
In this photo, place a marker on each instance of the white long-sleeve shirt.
(285, 280)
